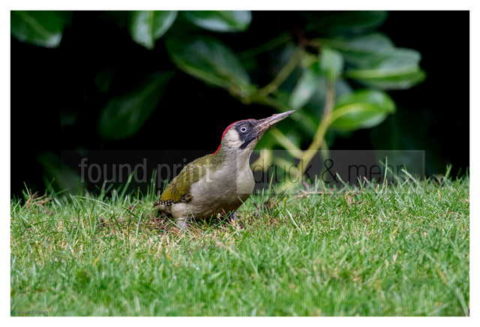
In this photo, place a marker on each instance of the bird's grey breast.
(227, 185)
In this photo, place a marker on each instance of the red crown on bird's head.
(225, 131)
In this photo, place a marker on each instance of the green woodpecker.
(218, 183)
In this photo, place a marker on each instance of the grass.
(374, 250)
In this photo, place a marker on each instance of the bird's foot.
(182, 223)
(234, 220)
(233, 217)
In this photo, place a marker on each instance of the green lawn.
(375, 250)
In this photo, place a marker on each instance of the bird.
(217, 184)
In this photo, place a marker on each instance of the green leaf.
(123, 116)
(211, 61)
(389, 80)
(342, 88)
(331, 62)
(220, 21)
(361, 50)
(313, 79)
(304, 122)
(398, 69)
(316, 104)
(306, 86)
(347, 22)
(42, 28)
(148, 26)
(377, 63)
(361, 109)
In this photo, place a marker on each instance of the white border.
(5, 165)
(244, 4)
(232, 5)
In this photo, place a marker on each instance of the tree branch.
(319, 137)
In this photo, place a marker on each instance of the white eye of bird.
(243, 129)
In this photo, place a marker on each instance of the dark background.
(51, 89)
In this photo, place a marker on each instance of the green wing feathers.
(179, 187)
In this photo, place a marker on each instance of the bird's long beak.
(268, 122)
